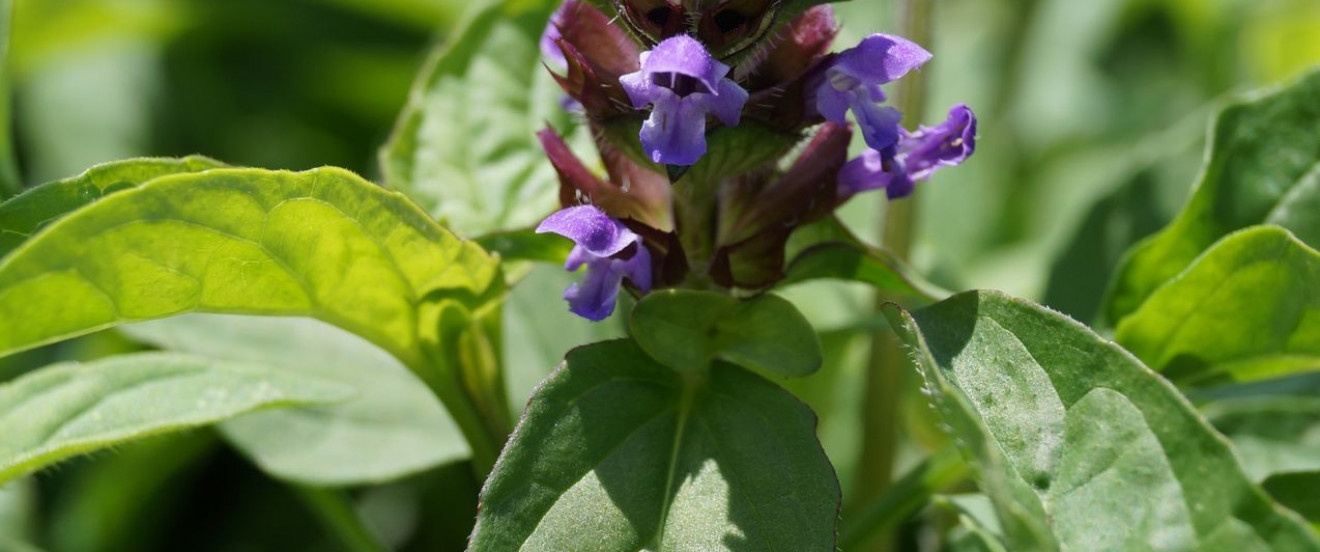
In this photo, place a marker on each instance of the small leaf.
(527, 245)
(70, 409)
(1248, 309)
(465, 146)
(1263, 166)
(393, 427)
(23, 215)
(1299, 491)
(1272, 433)
(321, 243)
(1078, 445)
(618, 453)
(687, 330)
(874, 267)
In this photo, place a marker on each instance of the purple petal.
(879, 124)
(594, 296)
(833, 104)
(639, 89)
(878, 59)
(590, 228)
(862, 174)
(684, 55)
(930, 149)
(675, 133)
(727, 103)
(636, 269)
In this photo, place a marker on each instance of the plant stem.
(888, 363)
(10, 183)
(334, 511)
(935, 474)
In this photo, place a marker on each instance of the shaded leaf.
(23, 215)
(618, 453)
(1263, 165)
(70, 409)
(1299, 491)
(465, 146)
(392, 428)
(1248, 309)
(1272, 433)
(687, 330)
(1078, 445)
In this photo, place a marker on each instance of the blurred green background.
(1093, 115)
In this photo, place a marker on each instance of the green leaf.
(1248, 309)
(10, 181)
(393, 427)
(465, 146)
(1079, 445)
(1263, 166)
(618, 453)
(687, 330)
(70, 409)
(1272, 433)
(322, 243)
(23, 215)
(1299, 491)
(527, 245)
(828, 250)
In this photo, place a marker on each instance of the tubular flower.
(852, 81)
(610, 251)
(918, 155)
(684, 84)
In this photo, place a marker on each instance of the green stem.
(695, 204)
(10, 182)
(937, 473)
(888, 363)
(481, 437)
(333, 509)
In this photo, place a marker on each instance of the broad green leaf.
(465, 146)
(618, 453)
(1080, 446)
(1299, 491)
(1260, 154)
(687, 330)
(23, 215)
(321, 243)
(1272, 433)
(1248, 309)
(70, 409)
(392, 428)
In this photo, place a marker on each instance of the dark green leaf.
(70, 409)
(23, 215)
(527, 245)
(1248, 309)
(1272, 433)
(618, 453)
(392, 428)
(875, 267)
(1299, 491)
(687, 330)
(1260, 154)
(465, 145)
(1079, 445)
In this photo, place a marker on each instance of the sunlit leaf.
(392, 428)
(70, 409)
(465, 146)
(23, 215)
(618, 453)
(1248, 309)
(1263, 166)
(1078, 445)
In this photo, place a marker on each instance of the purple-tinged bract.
(610, 251)
(683, 84)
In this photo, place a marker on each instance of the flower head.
(684, 84)
(610, 251)
(852, 81)
(916, 157)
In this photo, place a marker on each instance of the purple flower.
(684, 84)
(550, 50)
(611, 253)
(918, 155)
(853, 79)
